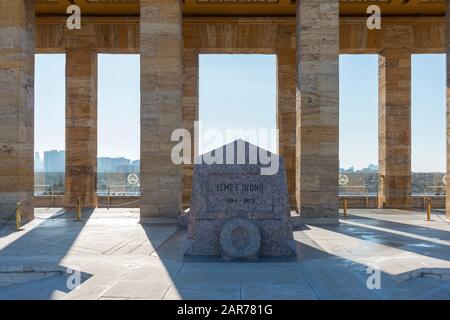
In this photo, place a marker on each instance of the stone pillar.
(447, 37)
(286, 74)
(317, 108)
(161, 45)
(81, 127)
(17, 47)
(394, 129)
(190, 113)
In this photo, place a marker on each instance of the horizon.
(340, 168)
(233, 88)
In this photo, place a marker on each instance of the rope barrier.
(437, 215)
(123, 204)
(58, 216)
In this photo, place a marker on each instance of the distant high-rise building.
(107, 164)
(38, 163)
(136, 163)
(54, 161)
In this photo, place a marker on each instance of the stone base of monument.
(237, 212)
(296, 220)
(242, 239)
(183, 219)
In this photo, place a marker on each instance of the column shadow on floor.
(314, 274)
(51, 240)
(46, 288)
(363, 231)
(423, 230)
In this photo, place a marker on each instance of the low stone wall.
(48, 201)
(362, 182)
(360, 202)
(119, 202)
(116, 201)
(353, 202)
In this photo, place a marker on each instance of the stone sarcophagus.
(240, 207)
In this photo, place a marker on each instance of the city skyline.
(123, 161)
(54, 161)
(235, 88)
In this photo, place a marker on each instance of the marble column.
(394, 129)
(317, 109)
(286, 74)
(81, 127)
(17, 48)
(190, 113)
(161, 45)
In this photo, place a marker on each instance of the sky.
(358, 110)
(239, 91)
(49, 100)
(428, 113)
(119, 106)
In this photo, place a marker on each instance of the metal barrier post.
(18, 216)
(367, 198)
(428, 209)
(53, 197)
(78, 205)
(345, 208)
(109, 197)
(424, 202)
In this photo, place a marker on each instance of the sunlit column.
(394, 128)
(190, 112)
(286, 78)
(17, 48)
(161, 45)
(317, 110)
(81, 127)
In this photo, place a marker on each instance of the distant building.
(54, 168)
(370, 169)
(54, 161)
(107, 164)
(136, 166)
(136, 163)
(38, 163)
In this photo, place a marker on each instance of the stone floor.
(122, 259)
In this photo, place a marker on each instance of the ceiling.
(242, 7)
